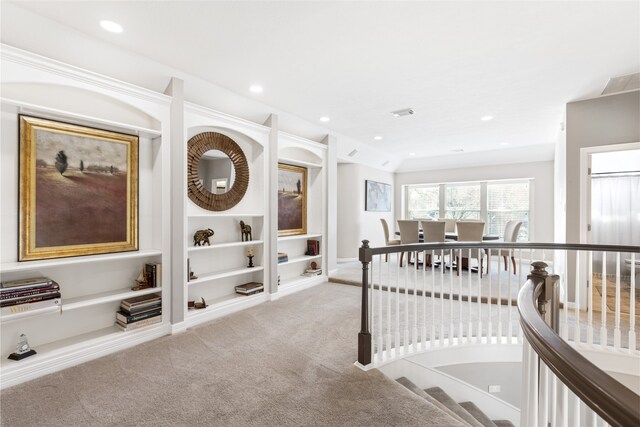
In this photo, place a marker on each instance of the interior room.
(319, 213)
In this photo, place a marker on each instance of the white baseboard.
(298, 286)
(343, 260)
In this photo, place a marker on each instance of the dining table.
(454, 236)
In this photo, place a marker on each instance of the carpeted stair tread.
(440, 395)
(503, 423)
(477, 413)
(417, 390)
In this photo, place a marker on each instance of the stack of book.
(313, 247)
(282, 257)
(250, 288)
(310, 272)
(139, 311)
(19, 296)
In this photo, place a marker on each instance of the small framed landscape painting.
(78, 190)
(292, 200)
(377, 196)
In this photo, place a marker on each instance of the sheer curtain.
(615, 215)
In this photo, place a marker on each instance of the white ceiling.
(453, 62)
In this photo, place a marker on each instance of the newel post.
(549, 297)
(364, 337)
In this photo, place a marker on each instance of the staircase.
(465, 412)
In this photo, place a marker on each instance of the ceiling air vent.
(385, 163)
(622, 83)
(404, 112)
(352, 153)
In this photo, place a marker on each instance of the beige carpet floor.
(288, 362)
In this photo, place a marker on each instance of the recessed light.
(377, 137)
(255, 88)
(504, 143)
(412, 154)
(324, 119)
(486, 118)
(112, 27)
(457, 150)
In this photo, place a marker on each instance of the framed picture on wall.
(78, 190)
(292, 200)
(377, 196)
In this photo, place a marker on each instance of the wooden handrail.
(612, 401)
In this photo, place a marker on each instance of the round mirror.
(217, 171)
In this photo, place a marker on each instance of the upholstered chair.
(511, 231)
(409, 234)
(387, 241)
(433, 231)
(450, 226)
(470, 231)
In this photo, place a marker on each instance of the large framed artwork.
(377, 196)
(292, 200)
(78, 190)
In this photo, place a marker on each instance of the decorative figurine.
(313, 265)
(22, 349)
(141, 281)
(245, 229)
(197, 305)
(190, 274)
(251, 252)
(202, 236)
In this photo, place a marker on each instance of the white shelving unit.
(293, 150)
(223, 265)
(82, 328)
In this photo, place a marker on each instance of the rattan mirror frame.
(196, 147)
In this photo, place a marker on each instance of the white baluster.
(397, 325)
(603, 323)
(520, 284)
(499, 336)
(405, 329)
(441, 337)
(490, 322)
(414, 332)
(590, 302)
(461, 337)
(576, 298)
(525, 387)
(451, 326)
(553, 400)
(424, 299)
(372, 310)
(509, 327)
(380, 309)
(469, 294)
(433, 302)
(543, 417)
(388, 352)
(632, 305)
(576, 410)
(535, 388)
(480, 251)
(565, 311)
(564, 399)
(617, 337)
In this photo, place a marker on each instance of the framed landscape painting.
(292, 200)
(377, 196)
(78, 190)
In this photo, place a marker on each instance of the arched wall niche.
(300, 154)
(79, 101)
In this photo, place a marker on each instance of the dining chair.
(387, 242)
(511, 231)
(470, 231)
(450, 226)
(433, 231)
(409, 233)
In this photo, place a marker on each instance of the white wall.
(541, 172)
(354, 223)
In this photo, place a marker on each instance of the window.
(506, 202)
(462, 201)
(423, 202)
(494, 202)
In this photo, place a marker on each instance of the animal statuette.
(202, 236)
(245, 229)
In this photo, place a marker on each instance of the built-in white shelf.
(224, 245)
(226, 215)
(6, 318)
(297, 162)
(225, 273)
(300, 281)
(226, 302)
(300, 259)
(10, 267)
(298, 237)
(104, 297)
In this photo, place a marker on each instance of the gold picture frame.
(78, 190)
(292, 200)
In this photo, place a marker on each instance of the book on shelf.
(141, 308)
(139, 324)
(282, 257)
(310, 272)
(25, 308)
(127, 318)
(22, 283)
(154, 274)
(30, 299)
(249, 288)
(140, 300)
(28, 292)
(313, 247)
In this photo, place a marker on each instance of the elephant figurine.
(202, 236)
